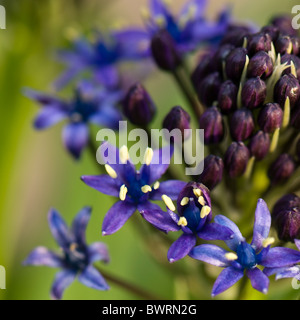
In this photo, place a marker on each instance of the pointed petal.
(116, 217)
(214, 231)
(75, 138)
(80, 223)
(181, 247)
(59, 229)
(62, 280)
(108, 76)
(262, 224)
(237, 237)
(108, 117)
(171, 188)
(211, 254)
(98, 251)
(92, 278)
(198, 7)
(48, 117)
(297, 243)
(259, 280)
(226, 279)
(104, 184)
(281, 257)
(42, 256)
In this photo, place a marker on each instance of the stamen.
(146, 188)
(201, 201)
(184, 201)
(156, 185)
(168, 202)
(266, 242)
(73, 246)
(145, 13)
(231, 256)
(182, 222)
(124, 154)
(197, 192)
(293, 69)
(160, 20)
(123, 192)
(111, 172)
(148, 156)
(205, 211)
(286, 113)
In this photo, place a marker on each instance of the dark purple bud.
(203, 69)
(254, 93)
(178, 118)
(295, 45)
(295, 117)
(286, 217)
(213, 171)
(271, 30)
(138, 106)
(241, 124)
(208, 88)
(227, 97)
(235, 63)
(287, 86)
(288, 58)
(260, 41)
(284, 24)
(212, 123)
(270, 117)
(281, 169)
(236, 159)
(260, 65)
(298, 149)
(235, 35)
(221, 55)
(259, 145)
(164, 51)
(283, 44)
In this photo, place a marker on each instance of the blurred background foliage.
(36, 173)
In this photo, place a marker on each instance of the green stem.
(242, 288)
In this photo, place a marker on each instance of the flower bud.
(286, 217)
(260, 65)
(221, 55)
(287, 86)
(203, 69)
(270, 117)
(283, 44)
(295, 117)
(212, 172)
(235, 35)
(254, 93)
(208, 88)
(235, 63)
(284, 24)
(236, 159)
(295, 45)
(241, 124)
(288, 59)
(164, 51)
(259, 145)
(178, 118)
(298, 149)
(281, 169)
(227, 97)
(138, 106)
(271, 30)
(212, 123)
(260, 41)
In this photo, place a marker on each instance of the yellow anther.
(111, 172)
(148, 156)
(156, 185)
(73, 246)
(146, 188)
(201, 201)
(168, 202)
(160, 20)
(184, 201)
(123, 192)
(197, 192)
(145, 13)
(124, 154)
(266, 242)
(231, 256)
(205, 211)
(182, 222)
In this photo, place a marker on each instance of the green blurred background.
(36, 173)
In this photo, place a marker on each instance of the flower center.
(246, 255)
(76, 256)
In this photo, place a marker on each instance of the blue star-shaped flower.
(194, 208)
(134, 188)
(189, 28)
(246, 257)
(76, 258)
(89, 105)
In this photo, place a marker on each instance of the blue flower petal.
(98, 251)
(92, 278)
(62, 280)
(214, 231)
(80, 223)
(211, 254)
(181, 247)
(42, 256)
(259, 280)
(171, 188)
(281, 257)
(48, 117)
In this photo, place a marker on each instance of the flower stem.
(242, 288)
(128, 286)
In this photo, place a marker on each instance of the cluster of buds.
(250, 89)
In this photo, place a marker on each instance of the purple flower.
(194, 220)
(189, 28)
(246, 257)
(103, 55)
(134, 188)
(89, 105)
(76, 258)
